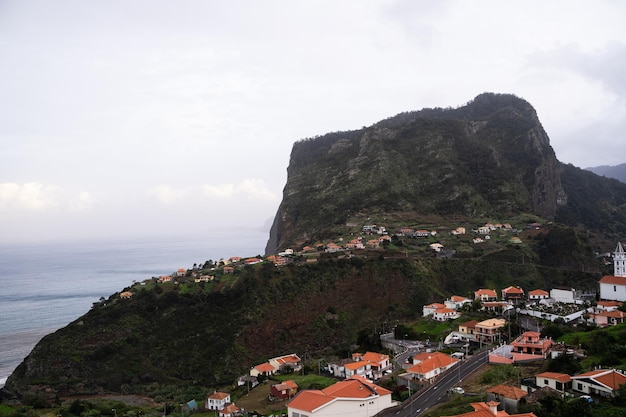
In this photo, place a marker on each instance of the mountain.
(618, 171)
(489, 159)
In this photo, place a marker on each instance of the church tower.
(619, 261)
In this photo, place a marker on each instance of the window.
(580, 386)
(294, 414)
(614, 288)
(545, 382)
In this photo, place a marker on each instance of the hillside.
(435, 169)
(617, 172)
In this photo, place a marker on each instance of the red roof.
(512, 290)
(354, 387)
(613, 280)
(608, 377)
(508, 391)
(564, 378)
(538, 292)
(264, 367)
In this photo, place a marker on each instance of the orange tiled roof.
(513, 290)
(488, 292)
(508, 391)
(613, 280)
(264, 367)
(375, 357)
(430, 361)
(469, 324)
(288, 359)
(609, 303)
(538, 292)
(218, 395)
(356, 365)
(311, 400)
(609, 377)
(457, 298)
(435, 305)
(564, 378)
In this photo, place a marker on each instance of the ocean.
(44, 287)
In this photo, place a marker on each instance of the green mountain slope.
(489, 160)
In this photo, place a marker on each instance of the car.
(457, 390)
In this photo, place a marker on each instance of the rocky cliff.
(488, 158)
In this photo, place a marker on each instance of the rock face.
(490, 157)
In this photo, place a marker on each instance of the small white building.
(563, 295)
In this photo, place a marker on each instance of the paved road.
(438, 392)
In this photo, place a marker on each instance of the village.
(417, 365)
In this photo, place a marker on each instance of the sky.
(154, 118)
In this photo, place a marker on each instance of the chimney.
(493, 407)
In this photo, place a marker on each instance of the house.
(379, 362)
(126, 295)
(608, 305)
(230, 410)
(507, 395)
(355, 397)
(495, 306)
(555, 380)
(443, 314)
(613, 287)
(600, 382)
(456, 302)
(537, 295)
(468, 328)
(427, 365)
(607, 318)
(437, 247)
(263, 369)
(431, 308)
(406, 231)
(360, 368)
(513, 294)
(421, 233)
(532, 343)
(181, 272)
(485, 295)
(286, 363)
(488, 331)
(338, 368)
(165, 278)
(458, 231)
(283, 391)
(486, 409)
(217, 400)
(252, 261)
(228, 269)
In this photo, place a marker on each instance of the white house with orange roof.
(456, 302)
(599, 382)
(428, 365)
(429, 309)
(607, 318)
(532, 343)
(217, 400)
(538, 295)
(230, 410)
(485, 294)
(443, 314)
(286, 363)
(355, 397)
(555, 380)
(513, 294)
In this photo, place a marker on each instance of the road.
(438, 391)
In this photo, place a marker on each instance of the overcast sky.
(153, 117)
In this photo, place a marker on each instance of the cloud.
(31, 196)
(83, 202)
(167, 194)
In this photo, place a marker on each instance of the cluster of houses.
(563, 303)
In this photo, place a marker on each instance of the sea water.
(45, 286)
